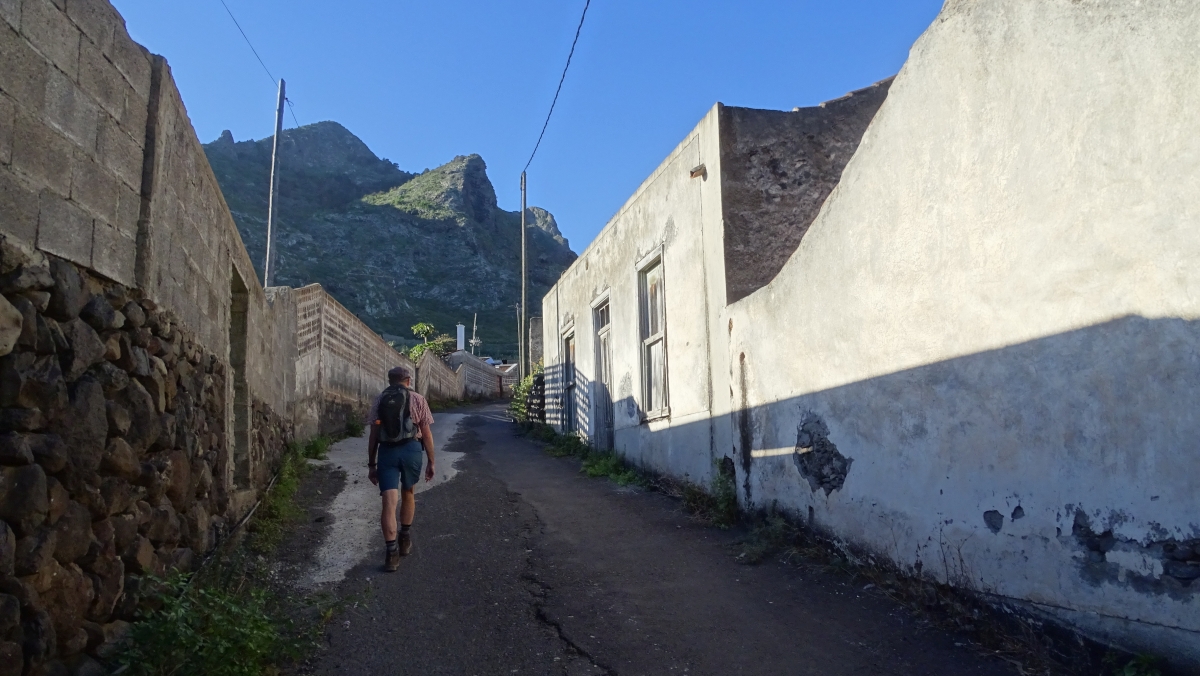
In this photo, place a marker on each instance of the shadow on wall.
(1066, 465)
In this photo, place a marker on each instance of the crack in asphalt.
(541, 591)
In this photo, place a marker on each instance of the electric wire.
(274, 81)
(560, 84)
(250, 44)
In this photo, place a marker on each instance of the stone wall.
(780, 166)
(148, 383)
(115, 457)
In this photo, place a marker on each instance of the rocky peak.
(393, 247)
(459, 189)
(544, 220)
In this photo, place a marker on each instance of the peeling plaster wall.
(982, 359)
(995, 316)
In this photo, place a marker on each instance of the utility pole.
(475, 342)
(269, 264)
(517, 307)
(521, 343)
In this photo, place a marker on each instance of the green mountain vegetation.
(394, 247)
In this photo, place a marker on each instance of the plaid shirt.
(418, 410)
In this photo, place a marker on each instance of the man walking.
(400, 420)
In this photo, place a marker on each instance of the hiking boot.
(392, 561)
(405, 544)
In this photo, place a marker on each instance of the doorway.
(603, 384)
(238, 328)
(569, 383)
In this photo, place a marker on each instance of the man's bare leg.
(387, 519)
(408, 507)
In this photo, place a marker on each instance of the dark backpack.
(395, 420)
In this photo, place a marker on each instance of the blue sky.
(421, 82)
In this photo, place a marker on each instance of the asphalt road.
(522, 565)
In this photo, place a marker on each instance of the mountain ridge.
(394, 247)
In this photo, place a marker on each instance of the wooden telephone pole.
(269, 264)
(524, 369)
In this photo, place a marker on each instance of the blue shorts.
(400, 465)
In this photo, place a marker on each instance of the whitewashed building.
(956, 328)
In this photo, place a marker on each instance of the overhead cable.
(274, 81)
(560, 84)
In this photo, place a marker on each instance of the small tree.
(423, 330)
(440, 347)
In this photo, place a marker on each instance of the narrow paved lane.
(522, 565)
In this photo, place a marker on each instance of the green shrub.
(318, 447)
(520, 396)
(209, 631)
(440, 346)
(611, 465)
(768, 536)
(718, 505)
(278, 506)
(1142, 665)
(355, 427)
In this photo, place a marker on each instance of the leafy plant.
(718, 505)
(355, 427)
(1142, 665)
(209, 631)
(614, 467)
(768, 536)
(318, 447)
(278, 506)
(423, 330)
(440, 346)
(518, 407)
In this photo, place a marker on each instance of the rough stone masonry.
(148, 383)
(112, 454)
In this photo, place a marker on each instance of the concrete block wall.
(436, 380)
(74, 93)
(148, 383)
(341, 364)
(480, 379)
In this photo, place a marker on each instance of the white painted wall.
(998, 307)
(680, 216)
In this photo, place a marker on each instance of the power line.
(292, 110)
(560, 84)
(245, 37)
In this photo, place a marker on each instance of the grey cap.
(399, 373)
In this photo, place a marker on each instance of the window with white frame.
(654, 339)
